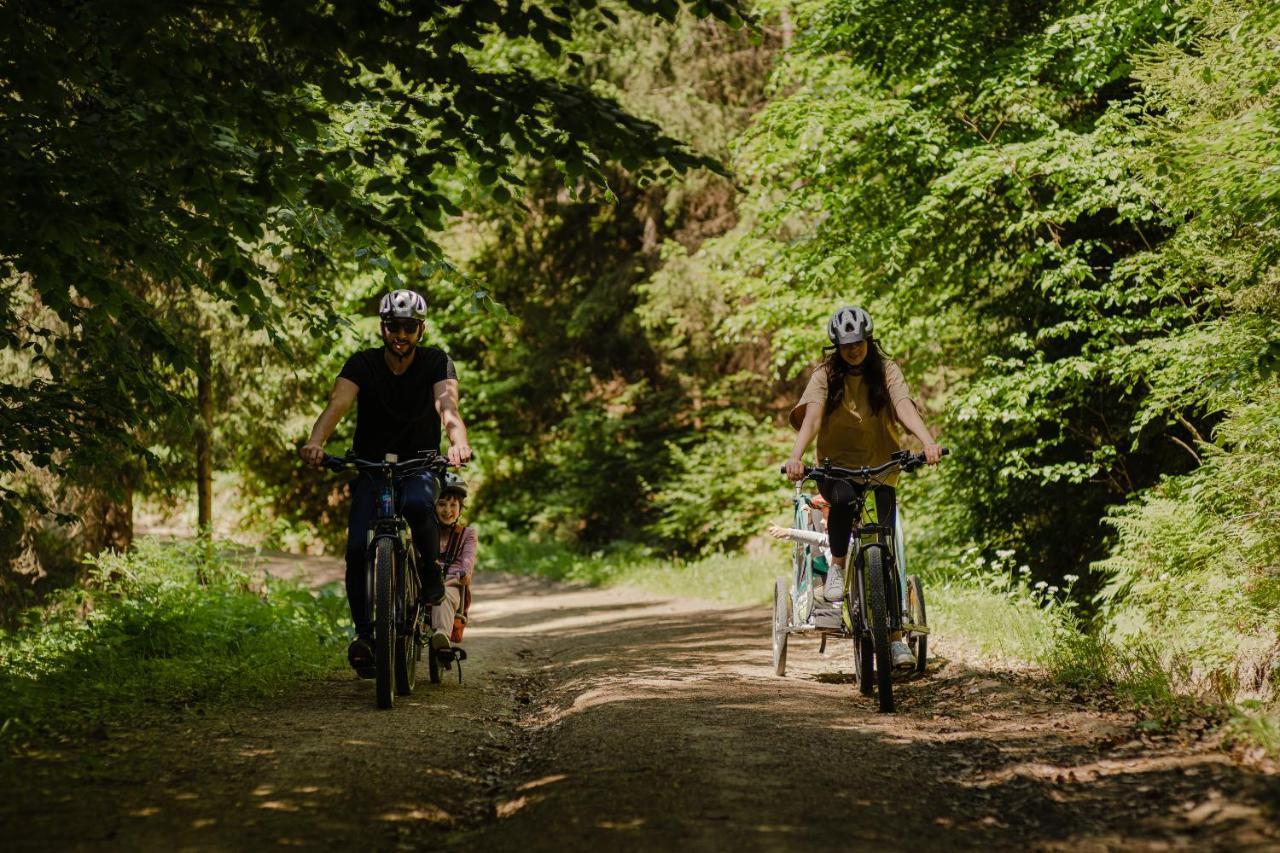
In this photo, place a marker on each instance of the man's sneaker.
(901, 654)
(360, 656)
(440, 641)
(834, 588)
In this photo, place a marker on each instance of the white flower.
(1024, 569)
(1004, 555)
(1051, 590)
(982, 561)
(1041, 584)
(1071, 578)
(1164, 576)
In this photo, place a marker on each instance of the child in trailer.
(825, 613)
(817, 537)
(458, 543)
(855, 403)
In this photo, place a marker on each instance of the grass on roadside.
(1005, 628)
(164, 626)
(725, 578)
(1164, 685)
(1010, 627)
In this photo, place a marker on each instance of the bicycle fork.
(855, 588)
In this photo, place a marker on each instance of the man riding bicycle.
(406, 393)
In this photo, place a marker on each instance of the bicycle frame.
(869, 534)
(878, 609)
(389, 524)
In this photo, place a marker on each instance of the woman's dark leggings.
(416, 496)
(840, 519)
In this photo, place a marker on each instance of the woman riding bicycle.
(854, 402)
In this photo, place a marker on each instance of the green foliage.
(719, 493)
(167, 626)
(1193, 567)
(1139, 674)
(580, 398)
(1256, 725)
(972, 190)
(158, 155)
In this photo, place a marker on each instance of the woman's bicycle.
(877, 600)
(400, 623)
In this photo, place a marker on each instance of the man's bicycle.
(876, 602)
(400, 625)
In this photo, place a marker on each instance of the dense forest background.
(1062, 215)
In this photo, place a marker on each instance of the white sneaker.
(901, 654)
(834, 588)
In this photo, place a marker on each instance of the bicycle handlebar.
(432, 459)
(903, 459)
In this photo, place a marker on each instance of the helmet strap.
(408, 354)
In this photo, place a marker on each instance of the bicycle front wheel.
(878, 616)
(406, 662)
(384, 620)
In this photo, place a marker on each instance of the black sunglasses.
(400, 325)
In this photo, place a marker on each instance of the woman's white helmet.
(403, 305)
(849, 325)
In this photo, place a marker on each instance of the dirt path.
(607, 719)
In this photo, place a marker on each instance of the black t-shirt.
(397, 414)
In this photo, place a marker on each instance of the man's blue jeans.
(416, 501)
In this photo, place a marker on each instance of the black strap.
(454, 548)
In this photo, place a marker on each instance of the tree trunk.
(204, 435)
(106, 521)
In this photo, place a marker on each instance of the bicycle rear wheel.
(915, 610)
(877, 614)
(781, 616)
(384, 620)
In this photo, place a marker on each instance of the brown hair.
(872, 369)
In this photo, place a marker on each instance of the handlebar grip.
(920, 457)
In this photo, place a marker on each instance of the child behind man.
(458, 543)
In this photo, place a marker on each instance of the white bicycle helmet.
(453, 485)
(848, 326)
(403, 305)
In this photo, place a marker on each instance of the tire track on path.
(613, 719)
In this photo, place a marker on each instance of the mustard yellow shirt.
(852, 436)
